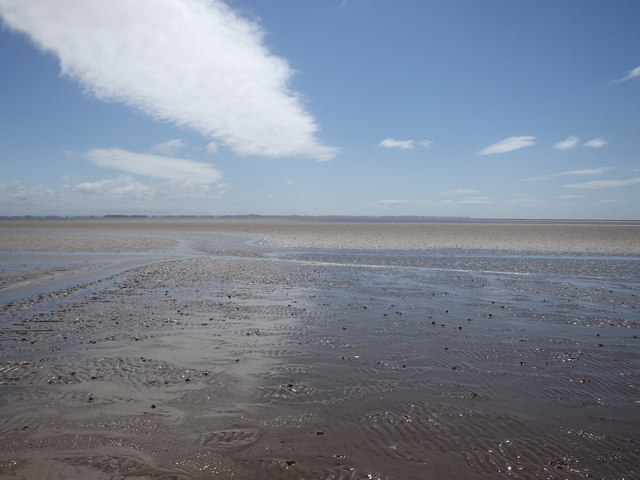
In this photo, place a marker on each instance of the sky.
(473, 108)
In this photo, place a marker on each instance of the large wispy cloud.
(508, 145)
(177, 170)
(584, 171)
(194, 63)
(404, 144)
(597, 184)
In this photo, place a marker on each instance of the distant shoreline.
(331, 219)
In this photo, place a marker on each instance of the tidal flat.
(319, 349)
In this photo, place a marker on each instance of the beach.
(319, 348)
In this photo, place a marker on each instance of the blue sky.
(492, 108)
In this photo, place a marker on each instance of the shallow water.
(220, 359)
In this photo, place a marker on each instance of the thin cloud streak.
(597, 184)
(194, 63)
(570, 143)
(508, 145)
(178, 170)
(631, 74)
(585, 171)
(595, 143)
(404, 144)
(393, 143)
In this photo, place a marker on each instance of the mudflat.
(196, 349)
(546, 236)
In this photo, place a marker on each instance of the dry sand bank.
(82, 243)
(557, 238)
(199, 366)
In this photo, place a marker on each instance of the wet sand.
(196, 350)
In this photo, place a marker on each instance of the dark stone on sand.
(559, 464)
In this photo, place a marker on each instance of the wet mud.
(222, 359)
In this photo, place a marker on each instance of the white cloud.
(572, 142)
(20, 194)
(404, 144)
(393, 143)
(635, 73)
(585, 171)
(170, 147)
(123, 186)
(596, 184)
(195, 63)
(177, 170)
(595, 143)
(568, 144)
(508, 145)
